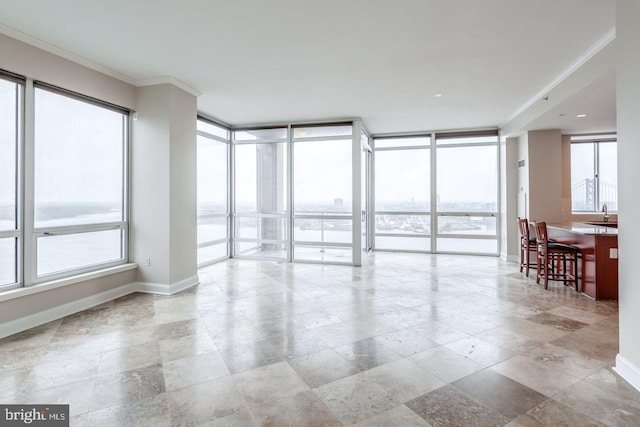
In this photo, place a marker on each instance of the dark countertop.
(585, 228)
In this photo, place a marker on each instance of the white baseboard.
(55, 313)
(162, 289)
(509, 258)
(628, 371)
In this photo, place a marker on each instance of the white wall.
(523, 176)
(34, 63)
(545, 175)
(26, 60)
(163, 185)
(566, 178)
(509, 181)
(29, 305)
(150, 198)
(628, 113)
(183, 206)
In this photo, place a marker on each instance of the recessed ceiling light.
(581, 115)
(438, 95)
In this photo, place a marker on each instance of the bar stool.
(527, 245)
(552, 256)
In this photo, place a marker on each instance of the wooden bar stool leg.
(539, 268)
(575, 271)
(546, 272)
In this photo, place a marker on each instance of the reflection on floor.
(406, 340)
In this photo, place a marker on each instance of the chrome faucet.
(606, 213)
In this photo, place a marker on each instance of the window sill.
(55, 284)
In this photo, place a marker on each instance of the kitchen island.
(598, 244)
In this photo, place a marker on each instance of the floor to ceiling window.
(213, 183)
(322, 193)
(63, 187)
(11, 90)
(260, 193)
(467, 193)
(79, 184)
(441, 197)
(300, 193)
(402, 194)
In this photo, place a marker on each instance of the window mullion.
(19, 127)
(29, 238)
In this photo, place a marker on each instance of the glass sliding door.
(213, 207)
(467, 193)
(260, 184)
(402, 194)
(322, 194)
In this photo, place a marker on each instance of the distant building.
(338, 203)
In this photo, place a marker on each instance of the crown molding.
(579, 62)
(48, 47)
(168, 80)
(55, 50)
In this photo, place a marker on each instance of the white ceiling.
(267, 61)
(597, 101)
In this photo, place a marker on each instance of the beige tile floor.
(407, 340)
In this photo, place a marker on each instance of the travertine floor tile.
(479, 350)
(542, 378)
(552, 413)
(355, 398)
(447, 406)
(265, 343)
(301, 409)
(601, 404)
(398, 416)
(151, 412)
(193, 370)
(323, 367)
(500, 393)
(269, 383)
(446, 364)
(127, 387)
(205, 402)
(404, 380)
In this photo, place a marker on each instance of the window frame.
(26, 232)
(330, 245)
(18, 232)
(203, 132)
(410, 143)
(43, 232)
(264, 136)
(443, 141)
(596, 141)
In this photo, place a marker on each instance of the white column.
(509, 199)
(545, 175)
(163, 188)
(628, 112)
(356, 193)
